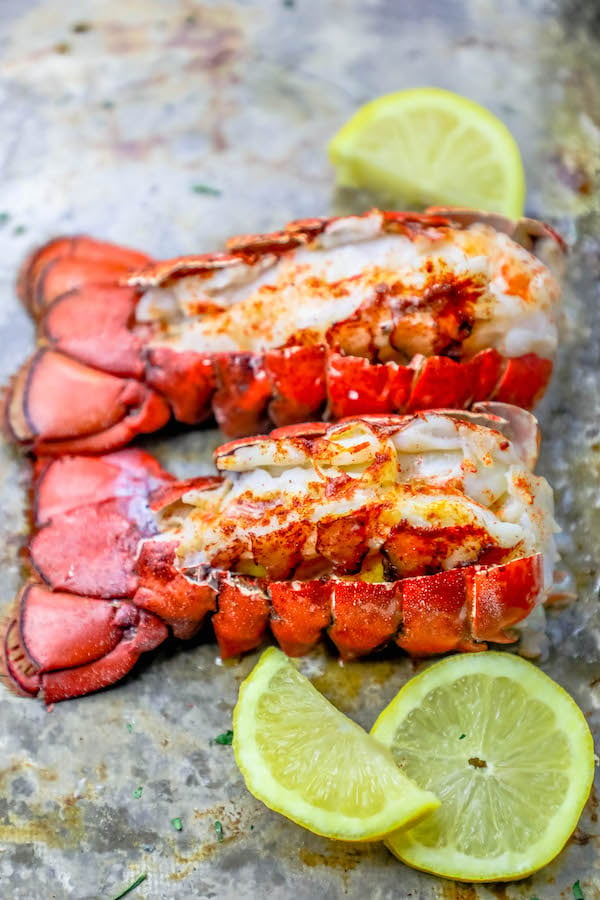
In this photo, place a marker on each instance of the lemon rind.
(414, 804)
(342, 148)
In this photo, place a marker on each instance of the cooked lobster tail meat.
(428, 531)
(385, 312)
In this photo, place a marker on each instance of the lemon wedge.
(428, 145)
(508, 752)
(306, 760)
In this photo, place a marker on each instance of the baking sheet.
(110, 113)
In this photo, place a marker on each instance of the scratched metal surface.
(109, 113)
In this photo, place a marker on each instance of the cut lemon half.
(306, 760)
(430, 146)
(508, 752)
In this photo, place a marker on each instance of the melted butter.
(348, 686)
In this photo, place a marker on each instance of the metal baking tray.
(110, 114)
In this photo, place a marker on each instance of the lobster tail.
(58, 405)
(380, 313)
(426, 531)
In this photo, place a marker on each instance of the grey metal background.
(106, 129)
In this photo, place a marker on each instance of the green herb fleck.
(219, 830)
(462, 736)
(289, 4)
(63, 47)
(138, 792)
(252, 828)
(19, 229)
(4, 218)
(534, 898)
(129, 727)
(206, 189)
(131, 887)
(577, 892)
(225, 738)
(190, 20)
(81, 27)
(108, 104)
(177, 824)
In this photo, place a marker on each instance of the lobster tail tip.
(65, 263)
(58, 405)
(60, 645)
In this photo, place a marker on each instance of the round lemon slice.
(508, 752)
(305, 759)
(430, 146)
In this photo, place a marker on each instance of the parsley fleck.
(252, 828)
(219, 831)
(108, 104)
(177, 824)
(138, 792)
(225, 738)
(4, 218)
(131, 887)
(462, 736)
(289, 4)
(577, 892)
(190, 20)
(19, 229)
(81, 27)
(206, 189)
(129, 727)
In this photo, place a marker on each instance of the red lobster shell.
(380, 313)
(428, 531)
